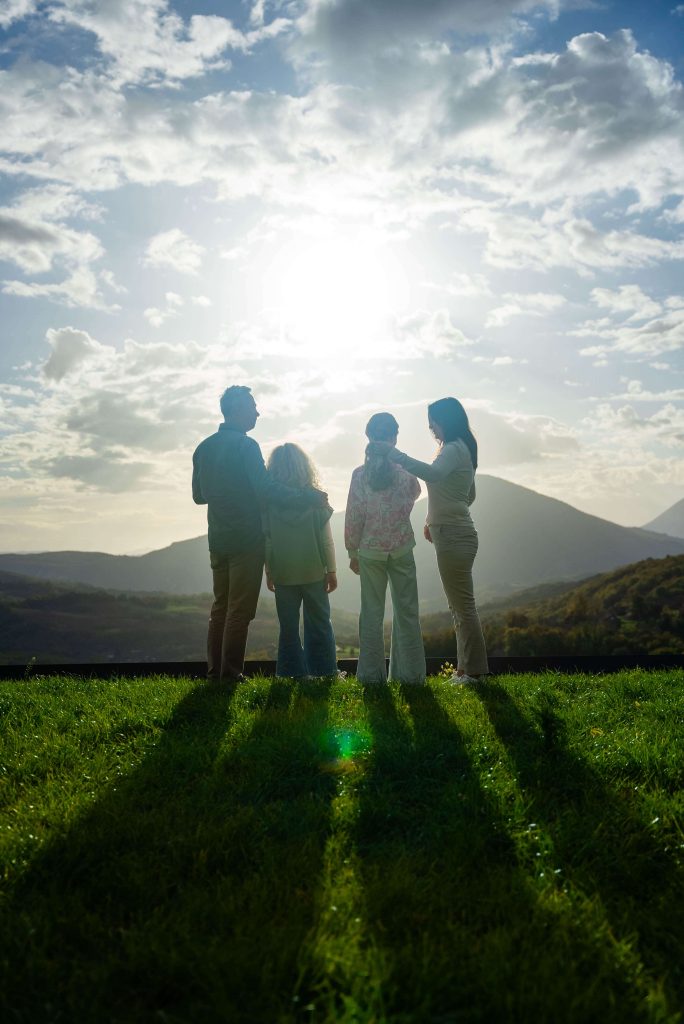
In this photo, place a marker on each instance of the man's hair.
(232, 396)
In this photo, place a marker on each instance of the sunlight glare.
(336, 296)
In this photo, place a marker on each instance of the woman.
(379, 538)
(450, 482)
(300, 570)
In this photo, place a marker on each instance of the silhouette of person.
(229, 476)
(450, 480)
(379, 539)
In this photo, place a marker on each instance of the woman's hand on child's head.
(330, 582)
(354, 565)
(270, 584)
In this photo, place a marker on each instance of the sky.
(350, 206)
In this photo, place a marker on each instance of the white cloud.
(174, 249)
(15, 10)
(463, 285)
(35, 238)
(665, 426)
(347, 31)
(156, 317)
(537, 130)
(500, 360)
(80, 288)
(70, 348)
(147, 42)
(662, 334)
(511, 439)
(629, 298)
(515, 240)
(428, 333)
(524, 304)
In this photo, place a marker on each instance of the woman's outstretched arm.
(446, 462)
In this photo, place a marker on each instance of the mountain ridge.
(671, 521)
(525, 539)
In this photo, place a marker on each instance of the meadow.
(321, 852)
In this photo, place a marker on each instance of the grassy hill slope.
(67, 623)
(637, 609)
(189, 854)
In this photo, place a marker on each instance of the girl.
(450, 482)
(379, 538)
(300, 569)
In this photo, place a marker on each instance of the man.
(230, 477)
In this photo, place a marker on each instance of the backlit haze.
(349, 205)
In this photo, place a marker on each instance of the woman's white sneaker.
(463, 679)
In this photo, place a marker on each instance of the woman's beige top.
(450, 483)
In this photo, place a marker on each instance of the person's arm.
(446, 462)
(328, 545)
(197, 495)
(269, 490)
(355, 516)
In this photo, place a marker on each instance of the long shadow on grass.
(184, 894)
(602, 842)
(439, 870)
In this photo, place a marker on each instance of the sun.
(335, 296)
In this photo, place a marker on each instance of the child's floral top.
(379, 521)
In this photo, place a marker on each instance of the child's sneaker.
(462, 680)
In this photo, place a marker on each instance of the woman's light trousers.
(407, 655)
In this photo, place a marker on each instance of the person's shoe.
(463, 679)
(231, 680)
(341, 674)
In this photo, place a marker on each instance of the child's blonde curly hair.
(290, 464)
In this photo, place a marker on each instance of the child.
(379, 538)
(300, 569)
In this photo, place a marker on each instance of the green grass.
(173, 852)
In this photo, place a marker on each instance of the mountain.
(671, 521)
(525, 539)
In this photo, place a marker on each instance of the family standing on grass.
(277, 516)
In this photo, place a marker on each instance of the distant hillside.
(670, 521)
(637, 609)
(525, 539)
(68, 623)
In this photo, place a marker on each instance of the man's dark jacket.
(229, 475)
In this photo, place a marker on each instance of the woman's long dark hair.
(379, 471)
(450, 415)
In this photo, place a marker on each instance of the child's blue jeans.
(318, 656)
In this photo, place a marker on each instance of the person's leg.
(371, 667)
(290, 654)
(217, 615)
(407, 654)
(245, 575)
(320, 652)
(456, 550)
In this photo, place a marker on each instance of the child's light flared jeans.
(318, 657)
(456, 547)
(407, 655)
